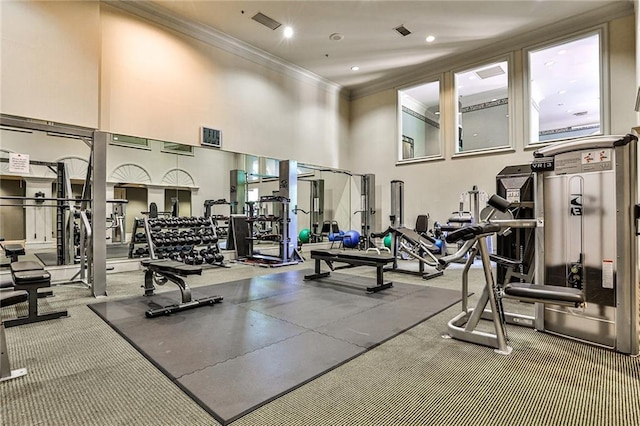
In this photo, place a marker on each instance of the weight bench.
(12, 251)
(7, 298)
(352, 258)
(29, 277)
(161, 271)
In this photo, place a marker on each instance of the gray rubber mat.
(270, 335)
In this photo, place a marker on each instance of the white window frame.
(399, 143)
(601, 30)
(511, 96)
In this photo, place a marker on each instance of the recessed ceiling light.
(288, 32)
(355, 68)
(562, 92)
(475, 134)
(549, 64)
(336, 37)
(430, 39)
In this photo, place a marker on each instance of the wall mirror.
(419, 112)
(482, 107)
(188, 178)
(139, 170)
(41, 201)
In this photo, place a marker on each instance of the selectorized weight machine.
(586, 227)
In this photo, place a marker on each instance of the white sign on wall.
(18, 163)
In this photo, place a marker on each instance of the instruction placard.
(607, 274)
(18, 163)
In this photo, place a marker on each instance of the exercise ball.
(351, 239)
(304, 235)
(387, 241)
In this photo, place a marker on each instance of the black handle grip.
(471, 231)
(382, 234)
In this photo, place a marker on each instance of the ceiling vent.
(581, 113)
(266, 21)
(402, 31)
(490, 72)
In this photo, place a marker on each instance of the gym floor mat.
(270, 335)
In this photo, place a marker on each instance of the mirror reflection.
(177, 180)
(45, 194)
(483, 107)
(205, 182)
(420, 121)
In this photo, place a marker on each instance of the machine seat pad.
(25, 265)
(353, 255)
(11, 297)
(172, 266)
(31, 277)
(544, 293)
(10, 249)
(505, 261)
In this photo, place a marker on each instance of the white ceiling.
(370, 41)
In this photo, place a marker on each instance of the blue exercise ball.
(351, 239)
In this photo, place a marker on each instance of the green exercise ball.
(304, 235)
(387, 241)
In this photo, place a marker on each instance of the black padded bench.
(12, 251)
(352, 258)
(29, 277)
(552, 294)
(161, 271)
(9, 297)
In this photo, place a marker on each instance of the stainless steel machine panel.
(587, 238)
(580, 232)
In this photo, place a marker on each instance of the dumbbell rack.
(192, 240)
(139, 239)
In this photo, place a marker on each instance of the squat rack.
(94, 190)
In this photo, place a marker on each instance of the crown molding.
(156, 14)
(563, 28)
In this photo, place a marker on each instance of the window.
(271, 167)
(565, 89)
(176, 148)
(130, 141)
(252, 166)
(482, 107)
(420, 122)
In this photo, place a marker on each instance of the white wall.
(434, 187)
(161, 84)
(50, 60)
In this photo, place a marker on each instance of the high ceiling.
(366, 34)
